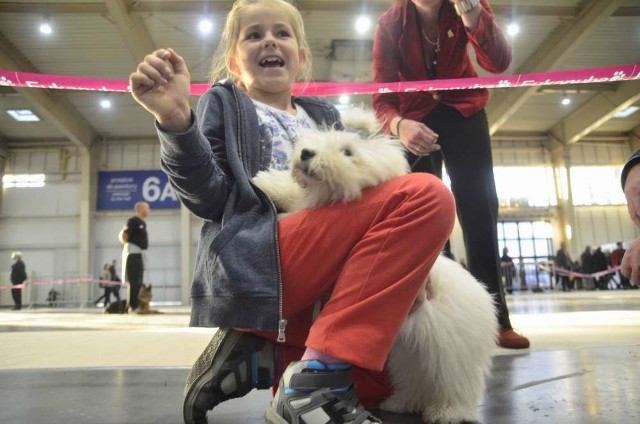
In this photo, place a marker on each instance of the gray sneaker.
(312, 392)
(232, 364)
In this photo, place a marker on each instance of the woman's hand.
(417, 137)
(161, 84)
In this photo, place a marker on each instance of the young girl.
(366, 260)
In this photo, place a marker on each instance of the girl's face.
(267, 56)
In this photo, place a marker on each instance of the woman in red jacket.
(419, 40)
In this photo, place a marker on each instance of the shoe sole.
(208, 365)
(205, 368)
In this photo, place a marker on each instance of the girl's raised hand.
(161, 84)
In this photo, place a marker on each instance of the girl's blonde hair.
(225, 50)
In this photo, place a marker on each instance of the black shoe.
(232, 364)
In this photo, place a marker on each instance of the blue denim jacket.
(237, 277)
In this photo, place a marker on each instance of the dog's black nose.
(307, 154)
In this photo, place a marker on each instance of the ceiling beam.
(595, 112)
(55, 109)
(547, 56)
(88, 8)
(132, 28)
(634, 139)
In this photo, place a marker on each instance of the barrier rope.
(567, 272)
(10, 78)
(59, 281)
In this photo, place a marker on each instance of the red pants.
(367, 259)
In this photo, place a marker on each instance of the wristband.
(398, 127)
(465, 6)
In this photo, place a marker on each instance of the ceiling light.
(23, 115)
(566, 101)
(105, 103)
(363, 23)
(513, 29)
(344, 99)
(623, 113)
(45, 26)
(205, 26)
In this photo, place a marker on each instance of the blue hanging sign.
(119, 190)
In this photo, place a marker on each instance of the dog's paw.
(281, 188)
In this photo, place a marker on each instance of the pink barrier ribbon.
(11, 78)
(58, 281)
(16, 286)
(567, 272)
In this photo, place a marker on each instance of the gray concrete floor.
(79, 366)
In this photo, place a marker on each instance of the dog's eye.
(347, 152)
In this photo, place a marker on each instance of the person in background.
(599, 263)
(616, 260)
(419, 40)
(508, 269)
(586, 267)
(630, 179)
(114, 278)
(258, 278)
(135, 241)
(108, 286)
(563, 261)
(18, 276)
(522, 273)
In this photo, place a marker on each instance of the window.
(522, 187)
(596, 185)
(529, 243)
(23, 180)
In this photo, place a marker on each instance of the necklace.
(435, 44)
(432, 64)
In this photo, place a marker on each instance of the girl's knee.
(432, 188)
(434, 197)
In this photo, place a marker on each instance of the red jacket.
(398, 56)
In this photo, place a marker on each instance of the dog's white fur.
(442, 354)
(331, 166)
(448, 342)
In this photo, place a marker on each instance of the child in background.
(257, 278)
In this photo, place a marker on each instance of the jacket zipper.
(282, 323)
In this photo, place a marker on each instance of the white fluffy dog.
(442, 355)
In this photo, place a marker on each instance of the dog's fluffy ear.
(361, 121)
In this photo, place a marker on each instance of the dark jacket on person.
(237, 276)
(599, 261)
(18, 272)
(586, 260)
(563, 260)
(137, 232)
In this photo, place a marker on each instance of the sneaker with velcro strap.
(232, 364)
(312, 392)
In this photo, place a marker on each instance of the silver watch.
(464, 6)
